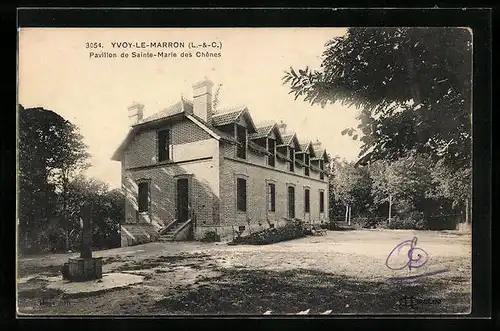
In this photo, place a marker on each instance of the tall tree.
(51, 150)
(107, 212)
(352, 186)
(413, 86)
(404, 183)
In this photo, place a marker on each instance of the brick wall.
(142, 150)
(258, 175)
(197, 161)
(204, 191)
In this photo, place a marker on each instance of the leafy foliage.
(351, 185)
(210, 236)
(272, 235)
(51, 191)
(413, 87)
(48, 145)
(408, 180)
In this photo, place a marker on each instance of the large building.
(187, 171)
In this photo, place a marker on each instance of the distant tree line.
(411, 193)
(52, 189)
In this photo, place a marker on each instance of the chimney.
(135, 113)
(282, 127)
(202, 99)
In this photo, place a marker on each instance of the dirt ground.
(342, 272)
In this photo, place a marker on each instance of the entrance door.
(182, 199)
(291, 202)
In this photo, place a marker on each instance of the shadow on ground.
(254, 292)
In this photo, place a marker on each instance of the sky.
(56, 72)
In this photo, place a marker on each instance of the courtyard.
(342, 272)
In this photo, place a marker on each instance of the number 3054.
(93, 45)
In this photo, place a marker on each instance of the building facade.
(189, 169)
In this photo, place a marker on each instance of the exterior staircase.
(174, 231)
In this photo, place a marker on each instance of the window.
(322, 167)
(271, 197)
(241, 138)
(241, 192)
(271, 159)
(321, 201)
(306, 161)
(292, 157)
(163, 145)
(307, 206)
(291, 202)
(143, 198)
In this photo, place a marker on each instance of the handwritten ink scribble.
(416, 257)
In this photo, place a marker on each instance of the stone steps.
(169, 235)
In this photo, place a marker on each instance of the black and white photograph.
(244, 171)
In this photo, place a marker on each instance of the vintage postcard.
(244, 171)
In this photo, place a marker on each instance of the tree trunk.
(390, 208)
(346, 213)
(349, 216)
(467, 211)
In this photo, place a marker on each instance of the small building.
(187, 171)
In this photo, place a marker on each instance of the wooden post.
(390, 207)
(86, 245)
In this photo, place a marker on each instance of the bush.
(414, 221)
(51, 239)
(210, 236)
(364, 222)
(272, 235)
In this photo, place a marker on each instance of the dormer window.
(322, 167)
(306, 161)
(291, 164)
(271, 148)
(241, 138)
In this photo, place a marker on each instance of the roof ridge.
(230, 110)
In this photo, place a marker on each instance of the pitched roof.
(229, 117)
(265, 130)
(214, 132)
(175, 109)
(287, 139)
(307, 147)
(319, 152)
(262, 132)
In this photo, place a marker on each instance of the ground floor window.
(241, 194)
(307, 205)
(143, 197)
(291, 202)
(321, 201)
(271, 197)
